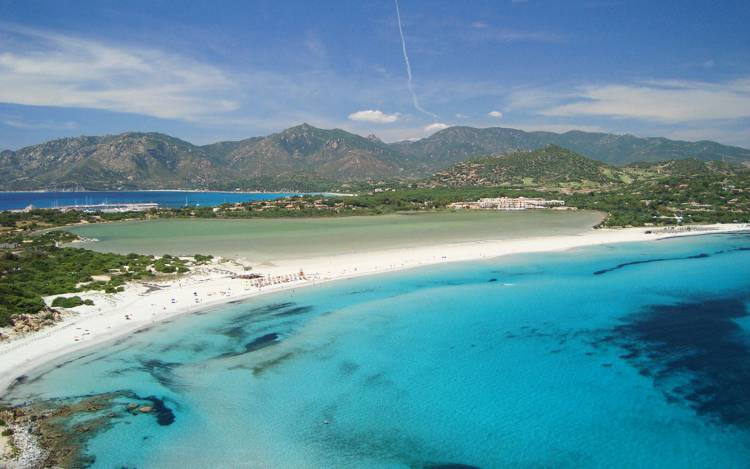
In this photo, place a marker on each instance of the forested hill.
(551, 165)
(308, 158)
(555, 167)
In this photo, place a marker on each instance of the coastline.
(142, 305)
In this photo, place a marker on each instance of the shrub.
(71, 302)
(202, 259)
(164, 268)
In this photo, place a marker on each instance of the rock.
(146, 409)
(132, 406)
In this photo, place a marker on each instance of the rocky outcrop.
(27, 323)
(54, 433)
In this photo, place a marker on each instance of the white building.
(509, 203)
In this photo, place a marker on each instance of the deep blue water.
(629, 355)
(19, 200)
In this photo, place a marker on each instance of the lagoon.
(265, 240)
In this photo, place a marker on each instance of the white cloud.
(478, 25)
(374, 116)
(50, 69)
(495, 114)
(20, 123)
(436, 126)
(665, 100)
(461, 116)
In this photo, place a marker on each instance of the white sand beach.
(141, 305)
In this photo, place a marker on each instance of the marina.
(103, 207)
(170, 199)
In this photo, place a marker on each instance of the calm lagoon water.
(630, 355)
(269, 239)
(19, 200)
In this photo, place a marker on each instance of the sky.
(229, 70)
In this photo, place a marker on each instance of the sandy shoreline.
(142, 305)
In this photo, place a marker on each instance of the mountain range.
(308, 158)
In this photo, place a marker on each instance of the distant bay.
(19, 200)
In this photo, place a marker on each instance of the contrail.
(408, 66)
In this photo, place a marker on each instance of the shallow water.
(629, 355)
(269, 239)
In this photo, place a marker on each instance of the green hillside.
(551, 165)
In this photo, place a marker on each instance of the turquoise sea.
(628, 355)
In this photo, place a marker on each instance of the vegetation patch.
(41, 265)
(70, 302)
